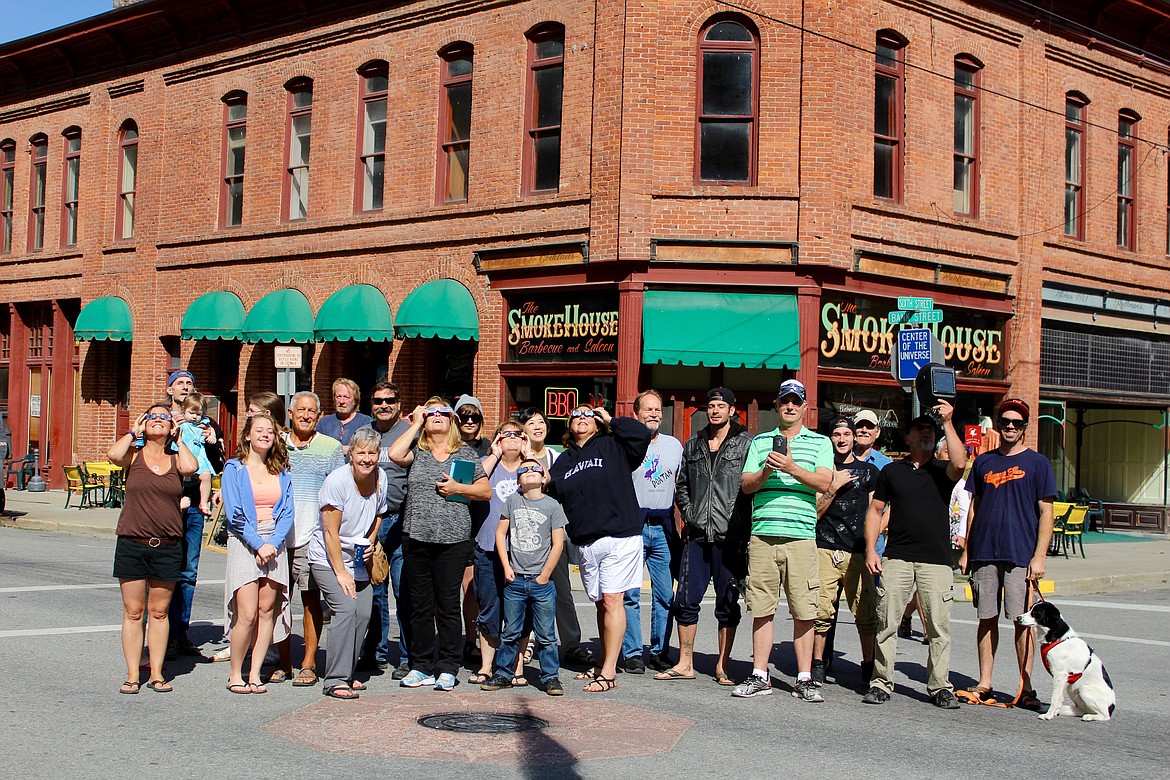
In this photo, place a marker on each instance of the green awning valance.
(355, 313)
(442, 308)
(214, 315)
(104, 319)
(283, 315)
(749, 330)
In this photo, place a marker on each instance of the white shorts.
(611, 565)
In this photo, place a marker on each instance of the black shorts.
(134, 561)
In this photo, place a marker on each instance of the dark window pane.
(964, 79)
(883, 170)
(1072, 155)
(375, 177)
(459, 67)
(727, 83)
(1124, 171)
(237, 112)
(549, 86)
(1072, 112)
(547, 49)
(547, 158)
(728, 31)
(236, 147)
(964, 125)
(725, 151)
(1071, 208)
(303, 98)
(884, 105)
(376, 83)
(887, 55)
(235, 202)
(1123, 212)
(460, 98)
(1125, 128)
(962, 194)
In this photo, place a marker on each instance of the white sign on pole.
(287, 357)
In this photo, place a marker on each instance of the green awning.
(104, 319)
(441, 309)
(751, 330)
(355, 313)
(283, 315)
(214, 315)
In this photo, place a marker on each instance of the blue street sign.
(913, 352)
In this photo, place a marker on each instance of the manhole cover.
(482, 722)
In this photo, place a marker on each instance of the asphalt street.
(62, 715)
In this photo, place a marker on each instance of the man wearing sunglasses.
(386, 406)
(917, 489)
(1009, 528)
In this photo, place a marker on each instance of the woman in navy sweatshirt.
(592, 481)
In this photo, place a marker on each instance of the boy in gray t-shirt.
(529, 540)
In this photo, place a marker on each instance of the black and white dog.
(1075, 668)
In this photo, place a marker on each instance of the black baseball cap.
(721, 394)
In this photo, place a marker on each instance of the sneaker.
(497, 682)
(635, 666)
(806, 690)
(553, 687)
(866, 675)
(659, 663)
(818, 673)
(417, 679)
(401, 671)
(944, 700)
(446, 682)
(875, 695)
(753, 686)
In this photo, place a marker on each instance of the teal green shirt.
(784, 506)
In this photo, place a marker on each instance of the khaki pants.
(898, 580)
(849, 572)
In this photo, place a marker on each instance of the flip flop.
(159, 686)
(258, 687)
(343, 692)
(723, 679)
(478, 678)
(357, 685)
(130, 687)
(306, 677)
(519, 681)
(673, 674)
(240, 688)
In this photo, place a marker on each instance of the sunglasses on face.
(439, 411)
(582, 413)
(865, 426)
(513, 435)
(526, 469)
(1011, 422)
(383, 401)
(157, 416)
(470, 418)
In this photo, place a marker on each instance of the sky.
(21, 18)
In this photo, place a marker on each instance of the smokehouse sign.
(856, 333)
(563, 328)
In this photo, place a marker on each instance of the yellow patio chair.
(1074, 527)
(1060, 512)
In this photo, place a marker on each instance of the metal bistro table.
(112, 477)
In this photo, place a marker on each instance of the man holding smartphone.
(784, 470)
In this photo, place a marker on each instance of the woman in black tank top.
(148, 559)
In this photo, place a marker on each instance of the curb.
(32, 524)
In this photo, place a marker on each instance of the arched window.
(39, 152)
(7, 191)
(728, 102)
(235, 141)
(375, 85)
(889, 115)
(299, 133)
(455, 122)
(127, 179)
(71, 185)
(966, 191)
(1076, 108)
(1126, 180)
(542, 118)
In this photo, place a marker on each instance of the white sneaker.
(417, 679)
(222, 655)
(446, 682)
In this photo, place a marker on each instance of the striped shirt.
(784, 506)
(308, 466)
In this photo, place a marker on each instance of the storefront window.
(557, 396)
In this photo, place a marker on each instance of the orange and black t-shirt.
(1009, 489)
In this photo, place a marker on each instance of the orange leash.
(971, 697)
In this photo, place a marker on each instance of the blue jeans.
(378, 634)
(657, 553)
(520, 594)
(185, 589)
(489, 588)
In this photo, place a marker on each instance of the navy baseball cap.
(182, 372)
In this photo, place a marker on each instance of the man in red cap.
(1008, 531)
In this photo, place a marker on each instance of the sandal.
(279, 675)
(340, 692)
(159, 686)
(306, 677)
(723, 679)
(130, 687)
(239, 688)
(478, 678)
(519, 681)
(592, 674)
(601, 684)
(976, 695)
(357, 685)
(1029, 701)
(258, 687)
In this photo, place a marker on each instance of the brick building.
(544, 202)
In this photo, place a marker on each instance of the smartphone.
(780, 444)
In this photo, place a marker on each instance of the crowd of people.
(474, 537)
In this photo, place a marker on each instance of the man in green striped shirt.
(784, 470)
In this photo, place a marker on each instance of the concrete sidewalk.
(1108, 566)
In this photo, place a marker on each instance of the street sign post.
(913, 317)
